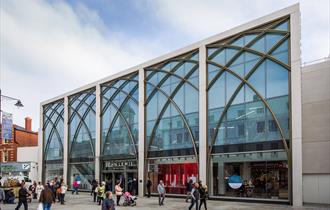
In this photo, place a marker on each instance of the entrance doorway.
(125, 177)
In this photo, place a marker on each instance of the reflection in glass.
(53, 135)
(172, 104)
(120, 116)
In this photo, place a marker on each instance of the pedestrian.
(189, 186)
(194, 196)
(32, 189)
(202, 193)
(94, 185)
(2, 195)
(75, 187)
(47, 198)
(63, 191)
(108, 203)
(149, 184)
(119, 191)
(100, 192)
(95, 191)
(161, 192)
(22, 197)
(57, 189)
(39, 188)
(134, 186)
(108, 185)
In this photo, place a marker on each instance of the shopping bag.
(40, 207)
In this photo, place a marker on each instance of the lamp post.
(18, 104)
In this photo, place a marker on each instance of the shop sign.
(235, 182)
(15, 167)
(119, 164)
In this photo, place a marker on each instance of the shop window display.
(254, 175)
(174, 175)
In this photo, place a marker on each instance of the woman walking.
(203, 194)
(62, 192)
(194, 197)
(119, 192)
(39, 188)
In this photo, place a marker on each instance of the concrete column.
(141, 149)
(203, 145)
(296, 114)
(40, 146)
(66, 140)
(98, 132)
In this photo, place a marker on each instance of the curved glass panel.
(120, 116)
(81, 126)
(248, 113)
(172, 106)
(239, 97)
(53, 135)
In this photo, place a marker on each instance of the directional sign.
(25, 166)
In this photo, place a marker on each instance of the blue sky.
(51, 47)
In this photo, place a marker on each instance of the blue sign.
(6, 126)
(235, 181)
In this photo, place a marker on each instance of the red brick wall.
(21, 138)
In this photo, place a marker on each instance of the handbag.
(40, 206)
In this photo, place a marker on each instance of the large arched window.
(82, 137)
(53, 134)
(248, 105)
(172, 107)
(120, 117)
(172, 116)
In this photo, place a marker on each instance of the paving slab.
(84, 201)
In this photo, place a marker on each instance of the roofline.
(259, 21)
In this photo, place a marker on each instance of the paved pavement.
(83, 201)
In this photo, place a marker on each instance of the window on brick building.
(5, 156)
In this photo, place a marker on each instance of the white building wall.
(27, 154)
(316, 132)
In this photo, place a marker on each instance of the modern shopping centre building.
(226, 110)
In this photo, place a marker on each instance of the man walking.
(194, 197)
(149, 184)
(47, 198)
(22, 197)
(161, 192)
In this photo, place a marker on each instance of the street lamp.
(18, 104)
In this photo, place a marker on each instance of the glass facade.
(120, 117)
(119, 128)
(172, 127)
(53, 135)
(248, 111)
(81, 125)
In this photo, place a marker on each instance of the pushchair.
(129, 200)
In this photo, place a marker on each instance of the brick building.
(22, 137)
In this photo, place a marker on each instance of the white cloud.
(201, 19)
(49, 48)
